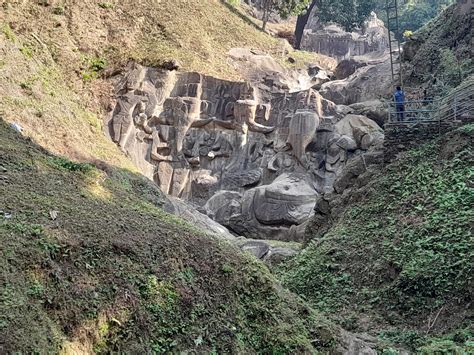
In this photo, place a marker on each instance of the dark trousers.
(400, 112)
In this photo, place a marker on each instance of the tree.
(414, 14)
(284, 8)
(350, 14)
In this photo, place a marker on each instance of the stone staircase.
(424, 120)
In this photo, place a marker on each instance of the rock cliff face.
(332, 40)
(254, 163)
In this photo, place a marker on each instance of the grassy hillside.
(90, 263)
(439, 55)
(399, 262)
(54, 55)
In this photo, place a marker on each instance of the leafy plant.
(67, 164)
(106, 5)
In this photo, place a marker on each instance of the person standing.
(399, 98)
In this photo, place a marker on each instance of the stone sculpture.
(255, 163)
(302, 129)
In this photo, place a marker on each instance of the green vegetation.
(106, 5)
(439, 53)
(52, 78)
(402, 254)
(111, 272)
(414, 14)
(350, 14)
(93, 67)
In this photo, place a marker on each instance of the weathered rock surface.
(269, 76)
(272, 254)
(347, 67)
(255, 163)
(192, 216)
(332, 40)
(376, 110)
(367, 83)
(351, 184)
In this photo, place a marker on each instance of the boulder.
(362, 130)
(367, 83)
(257, 248)
(354, 168)
(347, 67)
(223, 206)
(376, 110)
(192, 216)
(277, 255)
(289, 200)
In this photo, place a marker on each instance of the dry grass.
(47, 51)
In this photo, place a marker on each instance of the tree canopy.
(414, 14)
(350, 14)
(284, 8)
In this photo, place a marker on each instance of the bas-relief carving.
(206, 135)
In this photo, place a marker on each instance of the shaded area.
(89, 263)
(397, 260)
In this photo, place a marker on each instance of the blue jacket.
(399, 97)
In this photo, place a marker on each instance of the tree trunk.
(301, 24)
(267, 8)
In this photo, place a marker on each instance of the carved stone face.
(288, 200)
(247, 93)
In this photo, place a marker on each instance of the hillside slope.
(440, 53)
(55, 54)
(398, 262)
(91, 264)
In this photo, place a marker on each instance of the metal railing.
(410, 111)
(457, 106)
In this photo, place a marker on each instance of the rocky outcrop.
(253, 162)
(350, 185)
(332, 40)
(376, 110)
(272, 254)
(367, 83)
(179, 208)
(347, 67)
(270, 76)
(422, 53)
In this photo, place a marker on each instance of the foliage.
(8, 32)
(407, 34)
(93, 67)
(233, 2)
(106, 5)
(124, 274)
(284, 8)
(450, 68)
(350, 14)
(414, 14)
(67, 164)
(405, 249)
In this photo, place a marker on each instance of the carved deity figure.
(122, 119)
(302, 129)
(245, 112)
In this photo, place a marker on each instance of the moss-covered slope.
(89, 263)
(400, 259)
(439, 55)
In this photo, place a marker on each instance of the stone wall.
(333, 41)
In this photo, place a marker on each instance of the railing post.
(455, 108)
